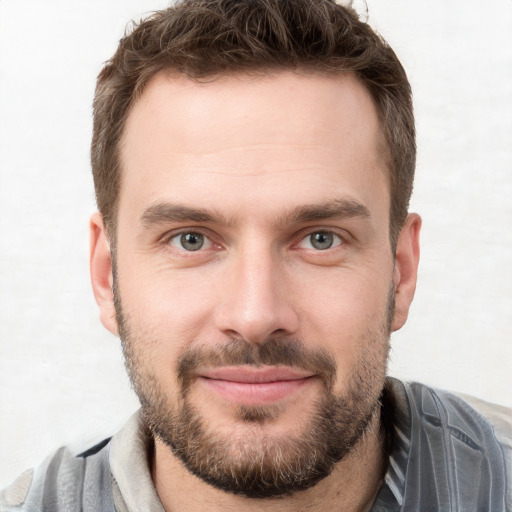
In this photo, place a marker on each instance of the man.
(253, 164)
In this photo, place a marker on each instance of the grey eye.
(189, 241)
(321, 240)
(192, 241)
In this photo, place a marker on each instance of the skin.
(252, 152)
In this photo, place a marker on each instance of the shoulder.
(15, 495)
(475, 435)
(499, 416)
(458, 410)
(63, 481)
(458, 406)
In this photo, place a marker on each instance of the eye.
(190, 241)
(321, 241)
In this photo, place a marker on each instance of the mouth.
(249, 385)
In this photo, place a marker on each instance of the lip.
(254, 386)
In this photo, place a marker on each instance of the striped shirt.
(447, 454)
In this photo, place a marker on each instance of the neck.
(351, 487)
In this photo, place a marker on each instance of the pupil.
(321, 240)
(192, 241)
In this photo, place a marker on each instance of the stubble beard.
(261, 466)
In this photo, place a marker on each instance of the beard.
(250, 462)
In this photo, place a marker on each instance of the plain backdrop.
(61, 374)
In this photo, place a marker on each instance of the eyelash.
(169, 238)
(338, 239)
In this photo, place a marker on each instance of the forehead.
(250, 135)
(331, 105)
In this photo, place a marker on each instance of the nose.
(256, 300)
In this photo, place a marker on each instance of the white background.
(61, 374)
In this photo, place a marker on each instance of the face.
(254, 280)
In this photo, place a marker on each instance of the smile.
(254, 386)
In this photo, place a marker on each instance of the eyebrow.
(337, 209)
(164, 212)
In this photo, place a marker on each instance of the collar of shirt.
(133, 487)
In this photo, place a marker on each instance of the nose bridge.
(258, 281)
(255, 304)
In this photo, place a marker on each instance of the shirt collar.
(130, 467)
(131, 446)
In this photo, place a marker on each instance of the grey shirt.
(447, 454)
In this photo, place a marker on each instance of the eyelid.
(342, 234)
(168, 237)
(338, 241)
(211, 238)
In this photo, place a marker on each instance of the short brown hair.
(207, 38)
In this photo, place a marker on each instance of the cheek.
(347, 315)
(170, 305)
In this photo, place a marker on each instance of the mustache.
(274, 352)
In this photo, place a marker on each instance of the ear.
(101, 272)
(406, 268)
